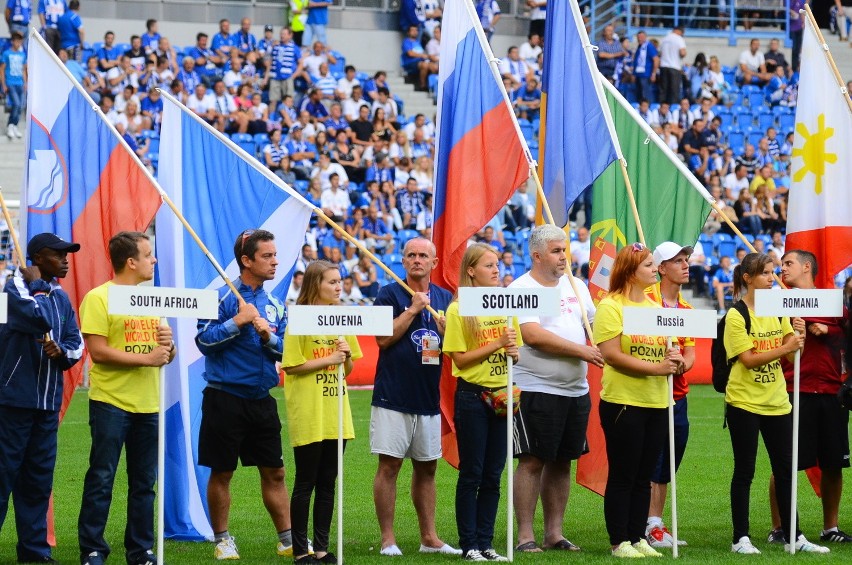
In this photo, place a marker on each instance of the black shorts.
(823, 432)
(234, 427)
(552, 427)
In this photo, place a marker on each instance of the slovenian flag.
(82, 182)
(221, 191)
(480, 159)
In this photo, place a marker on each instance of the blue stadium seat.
(766, 238)
(302, 186)
(154, 145)
(518, 267)
(392, 258)
(400, 104)
(755, 136)
(747, 89)
(97, 45)
(765, 121)
(246, 142)
(727, 249)
(261, 140)
(573, 235)
(726, 116)
(433, 84)
(362, 76)
(744, 119)
(398, 269)
(736, 138)
(122, 47)
(756, 99)
(706, 242)
(403, 236)
(741, 244)
(787, 121)
(526, 129)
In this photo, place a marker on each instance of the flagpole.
(828, 56)
(590, 62)
(361, 247)
(21, 261)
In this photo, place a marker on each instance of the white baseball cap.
(669, 250)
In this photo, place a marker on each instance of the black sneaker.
(147, 558)
(776, 536)
(94, 558)
(327, 558)
(836, 536)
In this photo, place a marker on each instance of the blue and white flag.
(221, 191)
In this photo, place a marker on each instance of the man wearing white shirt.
(346, 83)
(201, 103)
(550, 426)
(581, 249)
(530, 50)
(334, 200)
(420, 123)
(735, 182)
(514, 67)
(752, 65)
(325, 169)
(352, 105)
(672, 53)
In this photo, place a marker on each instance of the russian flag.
(221, 191)
(480, 159)
(81, 181)
(575, 143)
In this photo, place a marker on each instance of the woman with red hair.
(633, 401)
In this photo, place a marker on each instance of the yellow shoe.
(284, 550)
(642, 547)
(625, 550)
(226, 550)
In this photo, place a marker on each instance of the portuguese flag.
(673, 205)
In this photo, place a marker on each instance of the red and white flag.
(820, 204)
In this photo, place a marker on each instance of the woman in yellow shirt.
(478, 347)
(757, 401)
(311, 364)
(633, 402)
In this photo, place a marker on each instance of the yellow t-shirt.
(492, 372)
(623, 388)
(761, 390)
(311, 398)
(133, 389)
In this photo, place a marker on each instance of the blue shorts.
(662, 474)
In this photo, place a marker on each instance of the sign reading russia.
(340, 320)
(674, 322)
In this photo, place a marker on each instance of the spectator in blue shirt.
(646, 64)
(49, 12)
(286, 66)
(415, 60)
(529, 100)
(151, 38)
(13, 76)
(18, 14)
(313, 104)
(71, 34)
(206, 60)
(723, 282)
(315, 27)
(267, 42)
(223, 41)
(245, 40)
(108, 54)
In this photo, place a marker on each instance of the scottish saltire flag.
(221, 192)
(480, 158)
(575, 144)
(81, 181)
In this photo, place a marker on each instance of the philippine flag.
(221, 191)
(81, 181)
(480, 159)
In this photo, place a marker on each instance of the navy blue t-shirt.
(403, 383)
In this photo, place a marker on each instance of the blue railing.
(764, 19)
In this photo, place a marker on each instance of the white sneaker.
(744, 546)
(17, 132)
(10, 133)
(804, 546)
(645, 549)
(492, 555)
(226, 550)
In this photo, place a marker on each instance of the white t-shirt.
(670, 51)
(735, 186)
(338, 202)
(581, 250)
(351, 108)
(345, 85)
(427, 128)
(529, 54)
(751, 61)
(200, 106)
(554, 374)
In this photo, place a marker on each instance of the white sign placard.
(340, 320)
(161, 301)
(498, 301)
(674, 322)
(809, 302)
(4, 301)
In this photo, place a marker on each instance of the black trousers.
(634, 440)
(316, 473)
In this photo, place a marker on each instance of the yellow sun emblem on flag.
(813, 152)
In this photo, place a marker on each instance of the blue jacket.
(236, 361)
(28, 377)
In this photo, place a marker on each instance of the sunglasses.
(638, 247)
(246, 234)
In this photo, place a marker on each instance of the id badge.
(431, 351)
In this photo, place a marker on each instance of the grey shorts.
(405, 436)
(278, 89)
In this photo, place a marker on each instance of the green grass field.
(702, 486)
